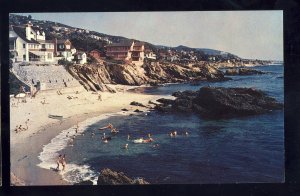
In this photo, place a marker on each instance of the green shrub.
(64, 62)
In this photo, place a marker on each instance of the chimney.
(55, 46)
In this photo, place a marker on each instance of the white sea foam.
(73, 173)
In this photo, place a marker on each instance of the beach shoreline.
(27, 145)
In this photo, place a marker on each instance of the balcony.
(114, 51)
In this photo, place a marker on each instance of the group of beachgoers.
(114, 131)
(62, 158)
(20, 128)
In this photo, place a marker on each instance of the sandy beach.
(26, 145)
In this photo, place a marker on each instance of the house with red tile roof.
(127, 50)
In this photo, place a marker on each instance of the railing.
(137, 49)
(117, 51)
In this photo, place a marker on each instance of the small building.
(150, 55)
(63, 48)
(80, 58)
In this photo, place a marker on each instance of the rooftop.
(20, 31)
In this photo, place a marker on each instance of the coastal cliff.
(95, 76)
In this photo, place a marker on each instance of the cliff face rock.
(243, 71)
(109, 177)
(219, 102)
(93, 77)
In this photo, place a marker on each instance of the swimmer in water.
(126, 146)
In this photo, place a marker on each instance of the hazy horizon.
(247, 34)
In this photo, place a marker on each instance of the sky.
(248, 34)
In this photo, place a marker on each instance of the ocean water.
(238, 150)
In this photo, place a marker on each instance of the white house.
(29, 44)
(73, 50)
(150, 55)
(80, 58)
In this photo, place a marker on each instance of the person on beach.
(58, 161)
(110, 126)
(76, 128)
(22, 128)
(149, 135)
(26, 124)
(125, 146)
(186, 133)
(99, 97)
(114, 130)
(128, 137)
(63, 162)
(155, 145)
(173, 133)
(103, 137)
(16, 129)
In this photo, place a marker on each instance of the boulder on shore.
(219, 102)
(137, 104)
(109, 177)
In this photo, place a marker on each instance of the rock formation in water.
(242, 71)
(219, 102)
(94, 77)
(109, 177)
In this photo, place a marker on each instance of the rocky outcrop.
(137, 104)
(87, 182)
(242, 71)
(219, 102)
(109, 177)
(94, 77)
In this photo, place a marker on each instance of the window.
(24, 45)
(49, 55)
(24, 57)
(61, 46)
